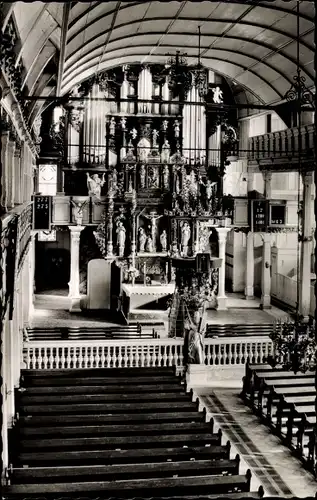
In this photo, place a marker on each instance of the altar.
(145, 300)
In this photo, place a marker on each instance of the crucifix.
(153, 216)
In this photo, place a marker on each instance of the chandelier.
(294, 342)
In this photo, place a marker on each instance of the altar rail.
(282, 144)
(141, 353)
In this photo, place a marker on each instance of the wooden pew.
(90, 419)
(128, 471)
(130, 456)
(156, 428)
(122, 442)
(111, 408)
(153, 487)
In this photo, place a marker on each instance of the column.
(17, 175)
(306, 245)
(266, 272)
(31, 258)
(251, 182)
(222, 239)
(267, 176)
(244, 126)
(249, 268)
(74, 294)
(10, 174)
(4, 176)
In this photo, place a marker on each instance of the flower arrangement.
(294, 346)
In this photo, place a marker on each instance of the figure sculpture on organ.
(95, 184)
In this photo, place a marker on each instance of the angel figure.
(95, 184)
(78, 211)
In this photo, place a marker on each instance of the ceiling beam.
(62, 50)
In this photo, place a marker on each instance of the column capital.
(222, 233)
(76, 229)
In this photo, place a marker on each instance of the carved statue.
(120, 238)
(163, 241)
(155, 134)
(143, 149)
(166, 150)
(217, 95)
(166, 177)
(209, 190)
(78, 211)
(112, 126)
(95, 184)
(164, 125)
(134, 133)
(186, 232)
(123, 122)
(142, 239)
(152, 177)
(142, 176)
(176, 128)
(149, 244)
(195, 338)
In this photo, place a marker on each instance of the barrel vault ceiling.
(251, 43)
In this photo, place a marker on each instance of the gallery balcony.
(280, 150)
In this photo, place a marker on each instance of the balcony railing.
(283, 144)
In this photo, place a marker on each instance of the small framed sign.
(259, 215)
(42, 212)
(277, 214)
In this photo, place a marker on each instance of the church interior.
(158, 240)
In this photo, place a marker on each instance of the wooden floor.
(117, 433)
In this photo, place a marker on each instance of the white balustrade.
(137, 353)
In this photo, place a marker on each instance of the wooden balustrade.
(283, 143)
(141, 353)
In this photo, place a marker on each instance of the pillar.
(74, 294)
(306, 245)
(267, 176)
(244, 126)
(266, 272)
(222, 239)
(10, 174)
(4, 174)
(17, 175)
(249, 268)
(251, 182)
(31, 262)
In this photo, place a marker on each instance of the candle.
(166, 273)
(144, 273)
